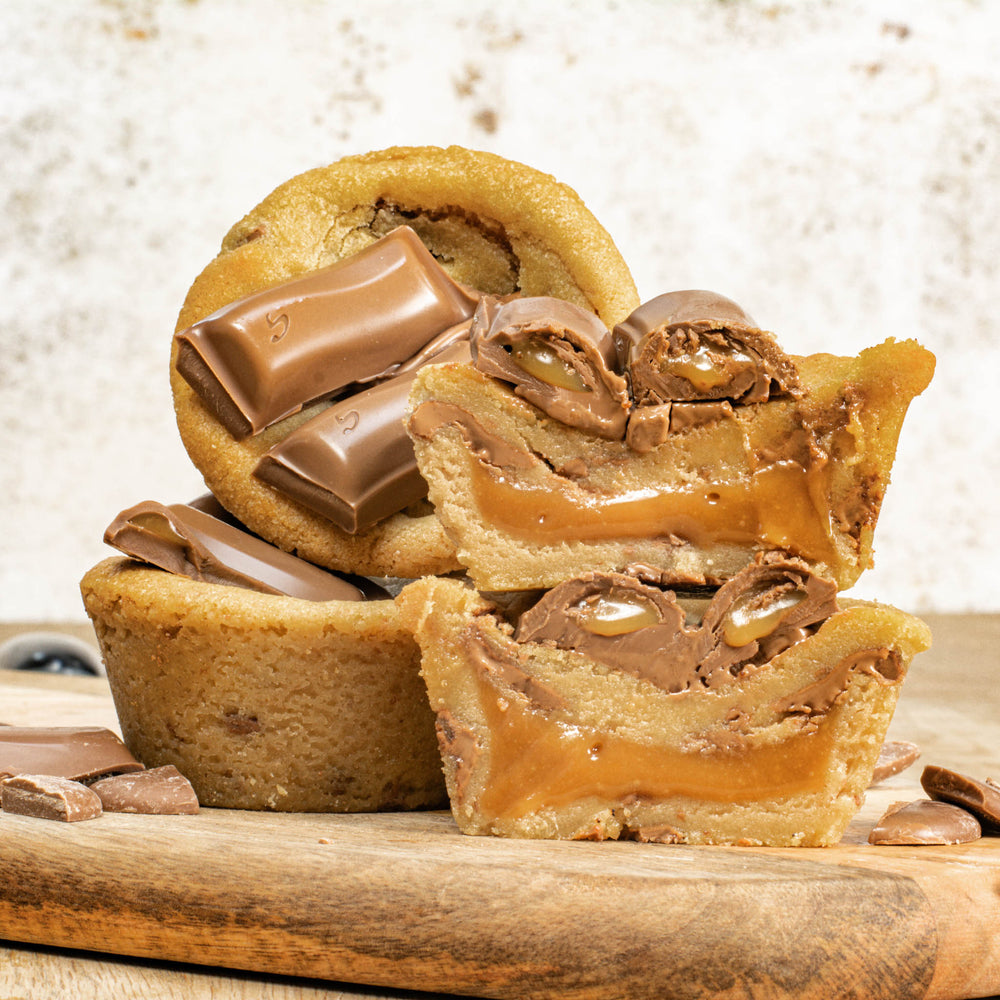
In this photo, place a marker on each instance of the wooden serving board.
(404, 901)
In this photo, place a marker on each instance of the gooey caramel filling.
(544, 363)
(538, 762)
(775, 507)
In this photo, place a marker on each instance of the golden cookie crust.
(264, 701)
(492, 223)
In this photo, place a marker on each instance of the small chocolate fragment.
(76, 752)
(265, 357)
(923, 823)
(161, 791)
(557, 356)
(45, 796)
(187, 541)
(353, 463)
(894, 757)
(696, 345)
(981, 798)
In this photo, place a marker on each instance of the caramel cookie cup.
(495, 227)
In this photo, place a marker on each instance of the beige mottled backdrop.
(833, 166)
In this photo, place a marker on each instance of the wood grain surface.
(404, 902)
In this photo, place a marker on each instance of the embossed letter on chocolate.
(353, 462)
(557, 356)
(187, 541)
(263, 358)
(696, 345)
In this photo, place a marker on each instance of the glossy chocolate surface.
(266, 356)
(353, 462)
(557, 356)
(187, 541)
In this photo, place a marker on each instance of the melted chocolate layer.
(629, 622)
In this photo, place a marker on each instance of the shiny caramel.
(778, 506)
(544, 363)
(539, 761)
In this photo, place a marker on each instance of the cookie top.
(494, 225)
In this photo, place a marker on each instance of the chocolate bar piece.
(981, 798)
(697, 345)
(894, 757)
(45, 796)
(76, 752)
(187, 541)
(160, 790)
(354, 462)
(265, 357)
(558, 357)
(925, 822)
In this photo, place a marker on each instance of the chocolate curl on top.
(695, 345)
(557, 356)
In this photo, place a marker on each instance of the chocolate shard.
(46, 796)
(557, 356)
(266, 356)
(697, 345)
(894, 758)
(186, 540)
(353, 463)
(981, 798)
(925, 823)
(161, 791)
(76, 752)
(681, 639)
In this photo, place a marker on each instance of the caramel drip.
(776, 507)
(539, 762)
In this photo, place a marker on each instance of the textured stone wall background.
(833, 166)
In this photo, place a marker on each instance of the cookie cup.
(266, 702)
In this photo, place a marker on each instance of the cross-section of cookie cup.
(547, 742)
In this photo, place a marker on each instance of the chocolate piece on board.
(894, 757)
(557, 356)
(76, 752)
(354, 462)
(697, 345)
(45, 796)
(263, 358)
(185, 540)
(161, 791)
(924, 822)
(981, 798)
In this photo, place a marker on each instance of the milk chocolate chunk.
(681, 639)
(924, 822)
(161, 791)
(557, 356)
(76, 752)
(894, 757)
(187, 541)
(981, 798)
(45, 796)
(353, 463)
(697, 345)
(263, 358)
